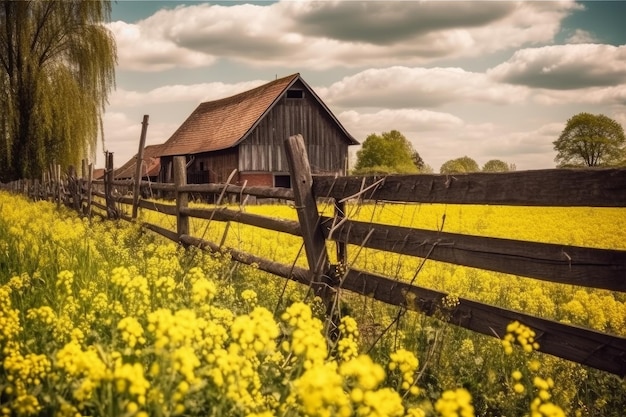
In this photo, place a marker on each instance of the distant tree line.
(392, 153)
(588, 140)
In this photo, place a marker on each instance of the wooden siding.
(263, 149)
(216, 167)
(219, 165)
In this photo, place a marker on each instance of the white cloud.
(615, 95)
(565, 67)
(581, 36)
(141, 47)
(194, 93)
(404, 87)
(122, 134)
(321, 35)
(404, 120)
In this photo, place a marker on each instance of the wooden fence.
(594, 268)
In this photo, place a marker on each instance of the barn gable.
(246, 132)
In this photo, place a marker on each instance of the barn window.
(295, 94)
(282, 181)
(201, 166)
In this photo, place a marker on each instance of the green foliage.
(387, 153)
(461, 165)
(496, 165)
(57, 69)
(590, 140)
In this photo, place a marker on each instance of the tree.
(496, 165)
(461, 165)
(417, 160)
(590, 140)
(57, 67)
(387, 153)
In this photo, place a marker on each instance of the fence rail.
(565, 264)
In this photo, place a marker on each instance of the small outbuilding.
(246, 132)
(150, 165)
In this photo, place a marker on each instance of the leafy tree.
(461, 165)
(417, 160)
(496, 165)
(57, 67)
(590, 140)
(387, 153)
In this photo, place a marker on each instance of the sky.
(484, 79)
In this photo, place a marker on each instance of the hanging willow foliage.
(58, 68)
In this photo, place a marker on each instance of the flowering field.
(103, 319)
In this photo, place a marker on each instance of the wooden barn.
(247, 131)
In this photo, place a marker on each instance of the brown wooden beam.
(548, 187)
(588, 347)
(589, 267)
(223, 214)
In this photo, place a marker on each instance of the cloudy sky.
(488, 79)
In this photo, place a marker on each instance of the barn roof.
(149, 168)
(224, 123)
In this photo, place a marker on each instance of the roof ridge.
(256, 89)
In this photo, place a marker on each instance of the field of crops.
(100, 318)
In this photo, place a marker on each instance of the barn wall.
(213, 167)
(263, 149)
(259, 179)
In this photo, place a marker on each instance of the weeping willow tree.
(58, 67)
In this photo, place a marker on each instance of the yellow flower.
(365, 373)
(455, 403)
(255, 332)
(131, 331)
(405, 363)
(319, 392)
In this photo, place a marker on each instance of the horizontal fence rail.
(589, 267)
(564, 264)
(551, 187)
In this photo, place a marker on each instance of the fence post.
(44, 186)
(36, 189)
(182, 198)
(108, 187)
(142, 143)
(308, 216)
(81, 184)
(89, 190)
(73, 187)
(59, 189)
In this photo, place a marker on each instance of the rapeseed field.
(101, 318)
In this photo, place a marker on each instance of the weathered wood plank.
(108, 187)
(223, 214)
(589, 267)
(122, 183)
(306, 207)
(99, 205)
(597, 350)
(170, 234)
(551, 187)
(182, 198)
(291, 272)
(263, 192)
(139, 163)
(158, 207)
